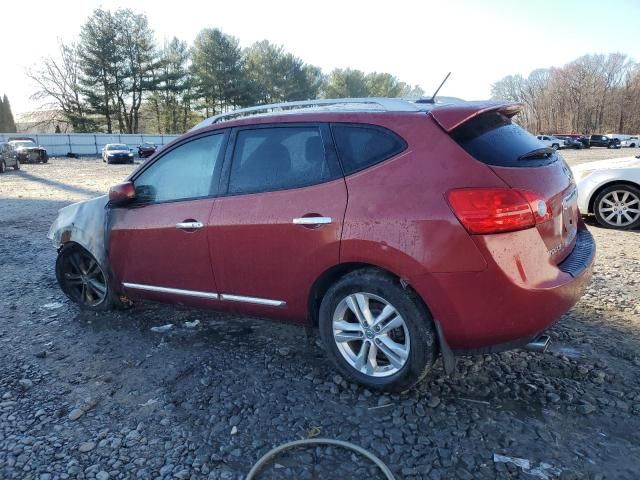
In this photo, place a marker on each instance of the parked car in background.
(117, 153)
(27, 151)
(146, 149)
(570, 142)
(551, 141)
(610, 190)
(631, 141)
(604, 141)
(583, 139)
(401, 232)
(8, 157)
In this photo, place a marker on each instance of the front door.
(278, 227)
(158, 245)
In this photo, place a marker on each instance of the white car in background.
(610, 190)
(551, 141)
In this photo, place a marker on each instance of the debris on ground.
(163, 329)
(193, 324)
(543, 471)
(53, 305)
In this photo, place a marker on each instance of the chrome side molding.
(174, 291)
(254, 300)
(208, 295)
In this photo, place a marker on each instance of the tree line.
(115, 78)
(592, 94)
(7, 124)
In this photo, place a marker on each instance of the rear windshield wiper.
(537, 154)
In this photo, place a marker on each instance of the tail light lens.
(495, 210)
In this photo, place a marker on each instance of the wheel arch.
(335, 273)
(610, 183)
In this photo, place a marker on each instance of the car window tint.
(184, 172)
(277, 158)
(360, 146)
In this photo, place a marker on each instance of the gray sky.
(418, 41)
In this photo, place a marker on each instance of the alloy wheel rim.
(83, 278)
(620, 208)
(371, 335)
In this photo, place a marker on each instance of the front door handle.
(311, 220)
(191, 225)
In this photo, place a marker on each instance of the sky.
(479, 41)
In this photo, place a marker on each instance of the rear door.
(158, 245)
(278, 227)
(525, 163)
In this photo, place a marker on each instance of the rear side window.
(361, 146)
(494, 139)
(278, 158)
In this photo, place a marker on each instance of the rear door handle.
(312, 220)
(189, 225)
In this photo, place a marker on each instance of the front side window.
(267, 159)
(361, 146)
(185, 172)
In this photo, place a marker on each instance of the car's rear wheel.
(17, 165)
(82, 279)
(555, 146)
(618, 206)
(376, 332)
(3, 166)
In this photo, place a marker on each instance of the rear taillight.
(495, 210)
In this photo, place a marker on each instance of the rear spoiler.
(451, 116)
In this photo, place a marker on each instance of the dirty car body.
(402, 231)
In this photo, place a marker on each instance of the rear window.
(361, 146)
(494, 139)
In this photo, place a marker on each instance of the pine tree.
(218, 71)
(7, 124)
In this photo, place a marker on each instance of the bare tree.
(592, 93)
(57, 79)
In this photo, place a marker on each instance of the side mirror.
(122, 193)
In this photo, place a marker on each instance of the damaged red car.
(401, 230)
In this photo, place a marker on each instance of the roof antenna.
(433, 97)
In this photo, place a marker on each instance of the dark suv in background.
(604, 141)
(8, 157)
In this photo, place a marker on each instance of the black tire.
(423, 347)
(17, 165)
(65, 268)
(601, 216)
(555, 146)
(3, 166)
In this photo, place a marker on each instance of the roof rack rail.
(377, 103)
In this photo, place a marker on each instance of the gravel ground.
(102, 396)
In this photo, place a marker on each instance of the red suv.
(401, 230)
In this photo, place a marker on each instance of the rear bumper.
(516, 298)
